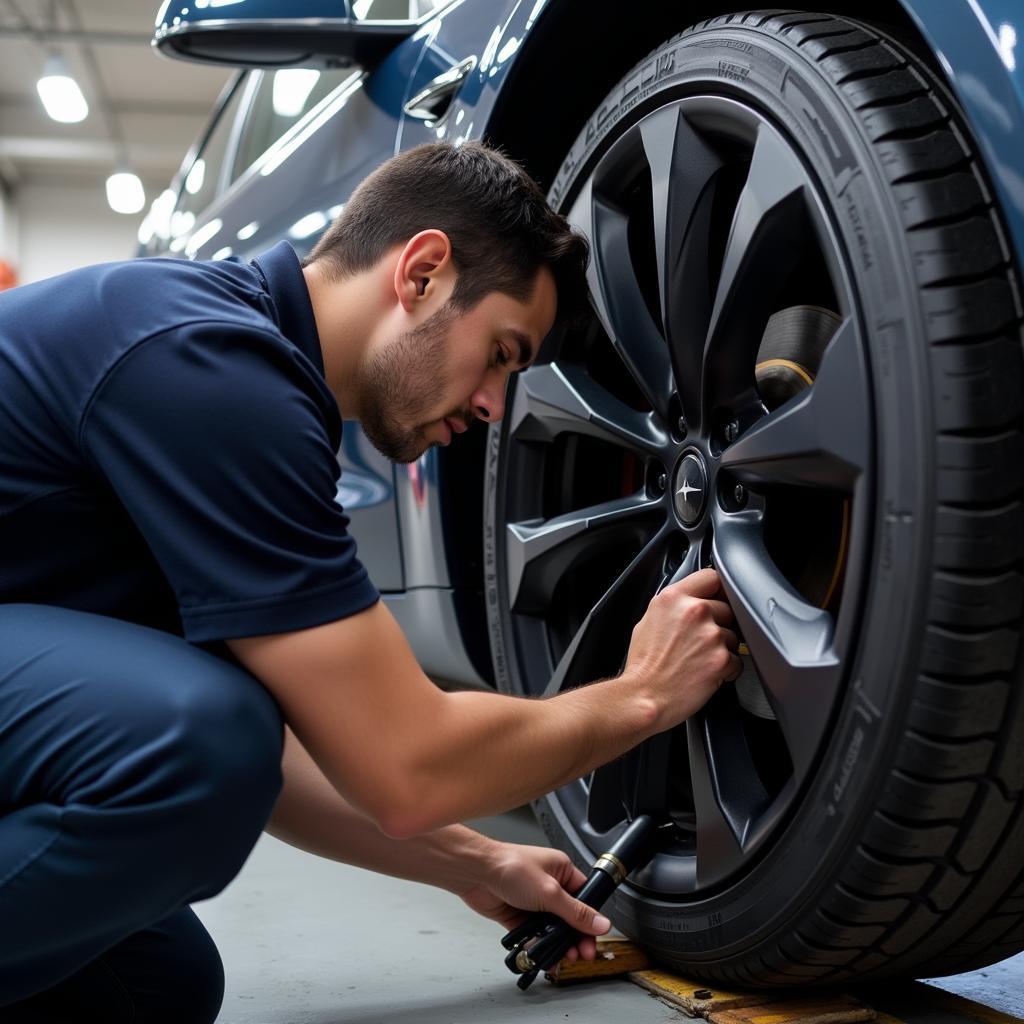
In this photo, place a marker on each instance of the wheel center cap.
(690, 488)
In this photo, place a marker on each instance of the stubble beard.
(399, 385)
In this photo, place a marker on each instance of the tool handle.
(556, 937)
(550, 948)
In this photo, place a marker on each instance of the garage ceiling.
(155, 105)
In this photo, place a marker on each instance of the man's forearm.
(313, 816)
(487, 752)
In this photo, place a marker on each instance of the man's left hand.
(523, 879)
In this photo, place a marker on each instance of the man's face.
(454, 367)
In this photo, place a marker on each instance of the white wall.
(61, 227)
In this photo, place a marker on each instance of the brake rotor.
(788, 359)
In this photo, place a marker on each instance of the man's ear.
(423, 265)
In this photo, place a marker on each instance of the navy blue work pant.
(136, 773)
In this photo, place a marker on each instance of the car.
(804, 367)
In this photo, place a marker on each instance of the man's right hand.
(682, 649)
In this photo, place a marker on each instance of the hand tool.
(633, 849)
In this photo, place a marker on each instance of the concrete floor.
(309, 941)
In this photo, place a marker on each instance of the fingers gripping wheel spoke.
(612, 617)
(820, 438)
(790, 641)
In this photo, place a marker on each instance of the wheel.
(805, 368)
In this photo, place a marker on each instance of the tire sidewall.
(763, 70)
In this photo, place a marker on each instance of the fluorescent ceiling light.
(308, 225)
(248, 231)
(196, 176)
(202, 236)
(181, 222)
(291, 90)
(60, 94)
(160, 212)
(125, 193)
(146, 229)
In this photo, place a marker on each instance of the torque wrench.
(633, 849)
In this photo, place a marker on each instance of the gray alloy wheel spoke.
(689, 565)
(614, 616)
(684, 171)
(790, 640)
(636, 783)
(617, 299)
(558, 399)
(539, 553)
(770, 229)
(719, 851)
(605, 806)
(819, 438)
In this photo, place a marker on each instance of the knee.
(230, 737)
(172, 972)
(235, 732)
(196, 984)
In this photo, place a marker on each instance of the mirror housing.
(275, 33)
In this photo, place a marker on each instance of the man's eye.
(502, 358)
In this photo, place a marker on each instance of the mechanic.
(190, 650)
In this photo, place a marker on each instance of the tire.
(851, 809)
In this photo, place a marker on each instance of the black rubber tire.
(904, 858)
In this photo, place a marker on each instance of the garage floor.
(308, 941)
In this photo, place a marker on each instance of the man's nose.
(489, 400)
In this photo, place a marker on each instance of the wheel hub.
(689, 491)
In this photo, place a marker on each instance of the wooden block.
(694, 997)
(810, 1009)
(614, 956)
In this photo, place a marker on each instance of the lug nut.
(740, 494)
(681, 427)
(661, 483)
(732, 431)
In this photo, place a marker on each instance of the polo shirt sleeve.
(216, 438)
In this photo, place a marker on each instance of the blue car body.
(531, 73)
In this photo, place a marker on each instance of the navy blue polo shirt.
(167, 449)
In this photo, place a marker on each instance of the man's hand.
(682, 649)
(522, 879)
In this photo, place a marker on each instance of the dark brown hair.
(500, 226)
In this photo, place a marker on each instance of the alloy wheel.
(717, 411)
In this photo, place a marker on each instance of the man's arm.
(312, 815)
(501, 881)
(414, 758)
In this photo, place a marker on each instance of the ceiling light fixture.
(125, 192)
(60, 93)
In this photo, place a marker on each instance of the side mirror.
(275, 33)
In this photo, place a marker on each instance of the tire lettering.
(849, 762)
(857, 224)
(822, 126)
(734, 72)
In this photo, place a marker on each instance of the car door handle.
(431, 103)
